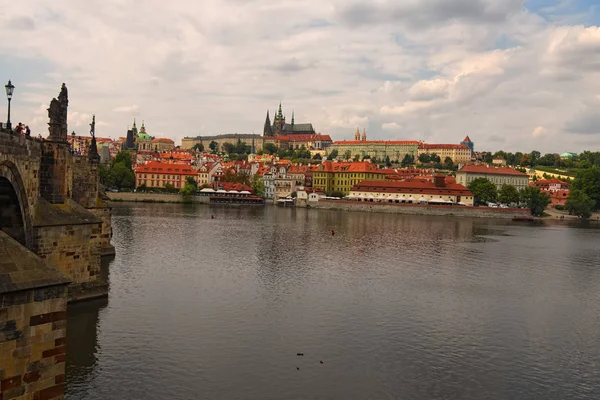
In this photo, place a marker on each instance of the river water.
(394, 306)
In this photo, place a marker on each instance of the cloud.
(491, 69)
(539, 131)
(126, 109)
(391, 126)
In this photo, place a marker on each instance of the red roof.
(443, 146)
(467, 140)
(486, 169)
(543, 182)
(418, 186)
(235, 186)
(165, 168)
(162, 140)
(389, 142)
(303, 138)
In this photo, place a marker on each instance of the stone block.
(10, 383)
(50, 393)
(13, 393)
(49, 317)
(55, 351)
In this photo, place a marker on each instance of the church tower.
(357, 135)
(364, 136)
(279, 121)
(268, 130)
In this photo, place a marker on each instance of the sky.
(513, 75)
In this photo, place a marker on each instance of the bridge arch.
(15, 215)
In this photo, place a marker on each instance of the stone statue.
(57, 113)
(93, 127)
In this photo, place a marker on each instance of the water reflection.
(396, 307)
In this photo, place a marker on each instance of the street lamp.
(9, 92)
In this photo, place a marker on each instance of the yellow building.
(341, 176)
(497, 175)
(249, 139)
(396, 150)
(459, 153)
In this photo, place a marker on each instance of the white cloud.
(539, 131)
(391, 126)
(486, 68)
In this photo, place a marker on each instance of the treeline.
(583, 160)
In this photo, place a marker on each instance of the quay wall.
(418, 209)
(155, 197)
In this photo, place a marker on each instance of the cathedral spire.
(268, 129)
(292, 119)
(364, 136)
(357, 134)
(279, 113)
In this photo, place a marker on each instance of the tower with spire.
(279, 122)
(357, 135)
(268, 130)
(364, 135)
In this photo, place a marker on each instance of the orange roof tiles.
(162, 140)
(484, 169)
(443, 146)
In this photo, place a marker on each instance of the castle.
(281, 128)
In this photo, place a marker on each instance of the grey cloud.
(496, 139)
(21, 22)
(293, 65)
(587, 123)
(427, 13)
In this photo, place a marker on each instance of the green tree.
(588, 181)
(333, 155)
(425, 158)
(258, 187)
(191, 181)
(525, 160)
(347, 155)
(508, 194)
(317, 157)
(198, 147)
(213, 146)
(187, 191)
(534, 157)
(388, 163)
(535, 199)
(408, 159)
(448, 163)
(435, 158)
(356, 157)
(489, 158)
(483, 190)
(169, 188)
(121, 177)
(104, 175)
(580, 204)
(336, 193)
(228, 148)
(270, 148)
(123, 157)
(142, 188)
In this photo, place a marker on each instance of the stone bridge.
(49, 202)
(53, 230)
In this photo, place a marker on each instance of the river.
(390, 307)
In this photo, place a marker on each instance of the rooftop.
(486, 169)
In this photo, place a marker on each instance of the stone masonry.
(33, 304)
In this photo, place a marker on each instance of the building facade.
(360, 147)
(497, 175)
(157, 175)
(279, 127)
(342, 176)
(415, 191)
(249, 139)
(458, 153)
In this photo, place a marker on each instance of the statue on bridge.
(58, 116)
(93, 150)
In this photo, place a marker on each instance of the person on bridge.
(27, 131)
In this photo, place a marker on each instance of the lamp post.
(9, 92)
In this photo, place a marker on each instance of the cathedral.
(281, 128)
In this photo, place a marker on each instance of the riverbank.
(155, 198)
(420, 209)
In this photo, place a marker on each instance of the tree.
(336, 193)
(588, 181)
(448, 163)
(121, 176)
(489, 158)
(534, 157)
(525, 160)
(258, 186)
(191, 181)
(228, 148)
(580, 204)
(508, 194)
(213, 146)
(356, 157)
(536, 200)
(317, 157)
(187, 191)
(123, 157)
(435, 158)
(198, 147)
(424, 158)
(142, 188)
(347, 155)
(294, 195)
(388, 163)
(333, 155)
(483, 190)
(169, 188)
(408, 159)
(270, 148)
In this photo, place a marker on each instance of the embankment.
(155, 198)
(419, 209)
